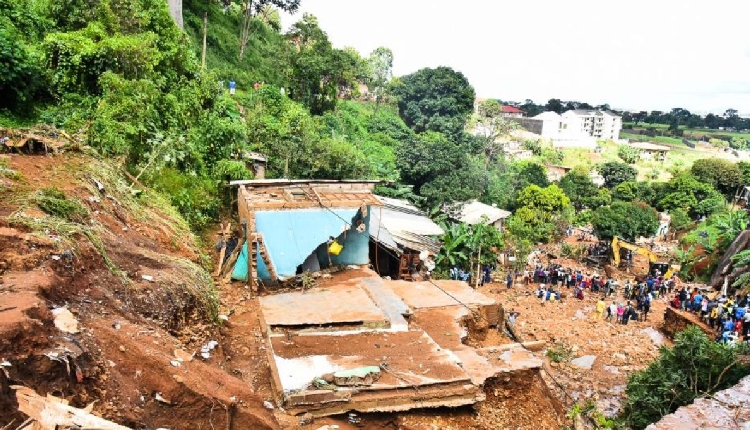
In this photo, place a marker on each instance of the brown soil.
(129, 331)
(125, 356)
(572, 324)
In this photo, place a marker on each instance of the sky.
(634, 55)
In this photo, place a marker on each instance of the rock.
(268, 405)
(584, 362)
(122, 348)
(65, 321)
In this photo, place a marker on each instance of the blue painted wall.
(291, 235)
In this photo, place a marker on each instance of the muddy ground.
(137, 353)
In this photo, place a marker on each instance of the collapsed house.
(296, 226)
(354, 340)
(361, 342)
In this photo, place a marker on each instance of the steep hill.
(77, 234)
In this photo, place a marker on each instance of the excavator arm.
(618, 244)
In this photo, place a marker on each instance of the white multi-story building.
(595, 123)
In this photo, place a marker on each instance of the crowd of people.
(728, 316)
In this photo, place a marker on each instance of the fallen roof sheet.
(475, 212)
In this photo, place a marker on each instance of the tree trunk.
(175, 11)
(205, 31)
(247, 16)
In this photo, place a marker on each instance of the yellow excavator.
(654, 264)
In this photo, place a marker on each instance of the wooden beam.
(51, 413)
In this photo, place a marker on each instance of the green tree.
(582, 191)
(615, 173)
(318, 71)
(625, 219)
(251, 8)
(548, 199)
(490, 126)
(695, 366)
(381, 72)
(439, 169)
(721, 174)
(688, 193)
(439, 99)
(628, 154)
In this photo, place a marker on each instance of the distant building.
(595, 123)
(476, 212)
(512, 112)
(651, 150)
(555, 173)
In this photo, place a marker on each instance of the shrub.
(696, 366)
(53, 202)
(629, 154)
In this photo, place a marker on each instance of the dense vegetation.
(695, 366)
(124, 76)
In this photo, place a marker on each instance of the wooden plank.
(51, 412)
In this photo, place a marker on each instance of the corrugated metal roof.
(399, 222)
(474, 211)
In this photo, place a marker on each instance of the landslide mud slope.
(128, 270)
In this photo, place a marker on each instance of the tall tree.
(555, 105)
(319, 72)
(381, 72)
(251, 8)
(439, 99)
(615, 173)
(489, 125)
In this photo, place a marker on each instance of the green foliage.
(696, 366)
(615, 173)
(438, 168)
(231, 169)
(625, 219)
(721, 174)
(535, 146)
(548, 199)
(688, 193)
(21, 67)
(54, 202)
(591, 413)
(628, 154)
(680, 220)
(439, 99)
(195, 197)
(741, 264)
(560, 353)
(582, 191)
(462, 243)
(540, 216)
(318, 71)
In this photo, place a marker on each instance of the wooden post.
(224, 235)
(205, 30)
(479, 267)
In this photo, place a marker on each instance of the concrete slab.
(423, 360)
(390, 303)
(420, 295)
(335, 304)
(409, 358)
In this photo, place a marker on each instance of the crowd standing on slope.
(729, 317)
